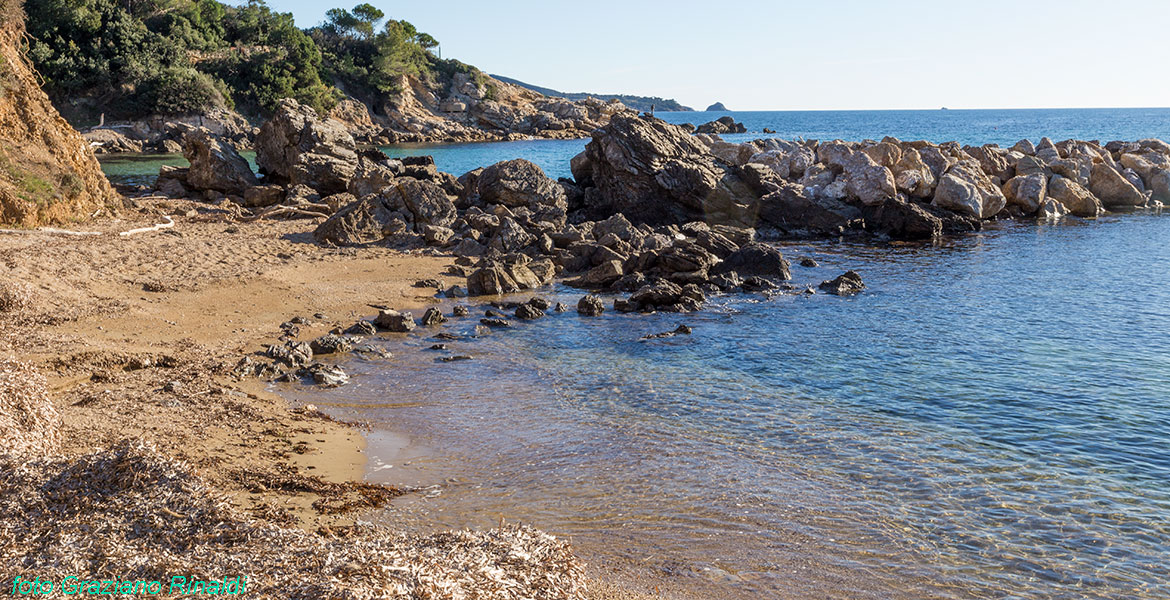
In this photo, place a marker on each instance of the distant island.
(717, 107)
(641, 103)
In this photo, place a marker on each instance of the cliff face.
(48, 174)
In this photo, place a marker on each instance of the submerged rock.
(847, 284)
(681, 330)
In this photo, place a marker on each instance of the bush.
(180, 91)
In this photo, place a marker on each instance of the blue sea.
(989, 419)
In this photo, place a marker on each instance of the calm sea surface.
(990, 419)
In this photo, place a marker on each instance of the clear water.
(988, 420)
(976, 127)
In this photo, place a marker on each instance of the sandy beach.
(137, 336)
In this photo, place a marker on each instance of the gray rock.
(528, 312)
(298, 147)
(292, 353)
(215, 164)
(903, 220)
(508, 276)
(362, 328)
(757, 259)
(590, 306)
(845, 285)
(326, 375)
(654, 172)
(330, 344)
(397, 322)
(432, 317)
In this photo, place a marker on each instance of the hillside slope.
(47, 172)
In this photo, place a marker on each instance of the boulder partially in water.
(298, 147)
(215, 164)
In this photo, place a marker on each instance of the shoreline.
(126, 363)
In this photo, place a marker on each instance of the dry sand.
(137, 336)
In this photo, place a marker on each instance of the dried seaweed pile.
(15, 296)
(28, 421)
(131, 513)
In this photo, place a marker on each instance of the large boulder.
(868, 181)
(903, 220)
(1112, 188)
(965, 189)
(787, 159)
(298, 147)
(657, 173)
(794, 208)
(756, 258)
(514, 273)
(408, 203)
(215, 164)
(912, 176)
(427, 203)
(519, 183)
(1079, 201)
(1026, 192)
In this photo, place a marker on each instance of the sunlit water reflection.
(988, 420)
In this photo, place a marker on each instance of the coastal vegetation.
(130, 59)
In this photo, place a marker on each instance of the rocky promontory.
(468, 110)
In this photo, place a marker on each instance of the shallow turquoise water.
(988, 420)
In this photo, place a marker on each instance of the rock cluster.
(720, 126)
(656, 212)
(654, 172)
(165, 134)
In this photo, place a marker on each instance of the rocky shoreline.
(653, 210)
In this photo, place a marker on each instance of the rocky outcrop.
(299, 148)
(215, 165)
(654, 172)
(165, 133)
(467, 108)
(405, 204)
(519, 184)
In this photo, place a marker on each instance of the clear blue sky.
(827, 54)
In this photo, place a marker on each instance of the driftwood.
(305, 210)
(54, 231)
(170, 223)
(49, 231)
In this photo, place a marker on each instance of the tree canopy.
(132, 58)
